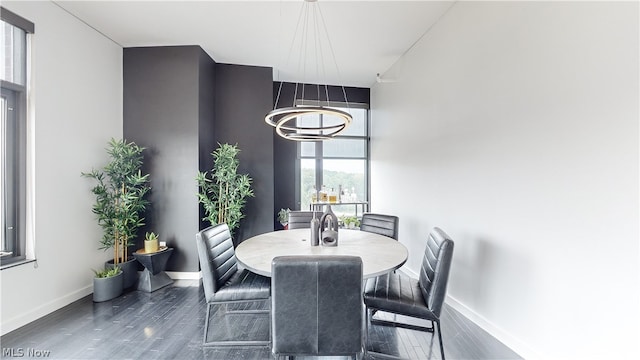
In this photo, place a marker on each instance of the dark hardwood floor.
(168, 324)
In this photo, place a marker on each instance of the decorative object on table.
(329, 228)
(153, 276)
(120, 203)
(222, 191)
(315, 230)
(283, 217)
(107, 284)
(286, 113)
(151, 242)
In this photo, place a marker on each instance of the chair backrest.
(217, 258)
(316, 305)
(386, 225)
(301, 219)
(434, 273)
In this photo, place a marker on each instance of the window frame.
(15, 168)
(319, 156)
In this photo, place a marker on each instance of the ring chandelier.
(331, 120)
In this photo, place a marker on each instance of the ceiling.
(367, 37)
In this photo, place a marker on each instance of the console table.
(320, 206)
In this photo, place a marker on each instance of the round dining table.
(379, 254)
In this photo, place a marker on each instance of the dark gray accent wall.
(243, 97)
(167, 106)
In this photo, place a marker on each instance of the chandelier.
(304, 120)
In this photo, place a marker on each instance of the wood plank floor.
(169, 323)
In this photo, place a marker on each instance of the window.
(14, 33)
(339, 165)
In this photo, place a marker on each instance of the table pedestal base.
(150, 283)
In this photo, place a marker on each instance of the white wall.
(514, 127)
(78, 104)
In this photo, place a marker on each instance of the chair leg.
(232, 342)
(440, 338)
(206, 325)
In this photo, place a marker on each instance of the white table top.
(380, 254)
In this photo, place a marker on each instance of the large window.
(339, 166)
(14, 33)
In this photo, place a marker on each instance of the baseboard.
(35, 314)
(513, 343)
(183, 275)
(518, 346)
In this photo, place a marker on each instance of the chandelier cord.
(333, 54)
(286, 120)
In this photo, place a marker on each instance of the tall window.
(14, 32)
(339, 165)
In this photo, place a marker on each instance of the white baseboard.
(183, 275)
(45, 309)
(518, 346)
(513, 343)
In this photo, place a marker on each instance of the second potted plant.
(222, 191)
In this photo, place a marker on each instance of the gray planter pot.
(108, 288)
(130, 270)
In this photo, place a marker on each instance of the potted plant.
(150, 242)
(283, 217)
(222, 191)
(107, 284)
(120, 203)
(350, 222)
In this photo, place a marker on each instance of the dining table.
(380, 254)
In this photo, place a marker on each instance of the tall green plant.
(222, 191)
(120, 201)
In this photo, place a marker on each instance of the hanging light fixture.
(297, 120)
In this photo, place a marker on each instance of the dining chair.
(422, 298)
(316, 306)
(224, 283)
(301, 219)
(386, 225)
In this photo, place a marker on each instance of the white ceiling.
(367, 37)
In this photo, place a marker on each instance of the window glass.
(338, 166)
(307, 182)
(307, 148)
(347, 178)
(345, 148)
(14, 45)
(13, 138)
(3, 115)
(358, 126)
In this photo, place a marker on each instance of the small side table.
(153, 276)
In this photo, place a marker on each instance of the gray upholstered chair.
(224, 283)
(301, 219)
(386, 225)
(422, 298)
(316, 306)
